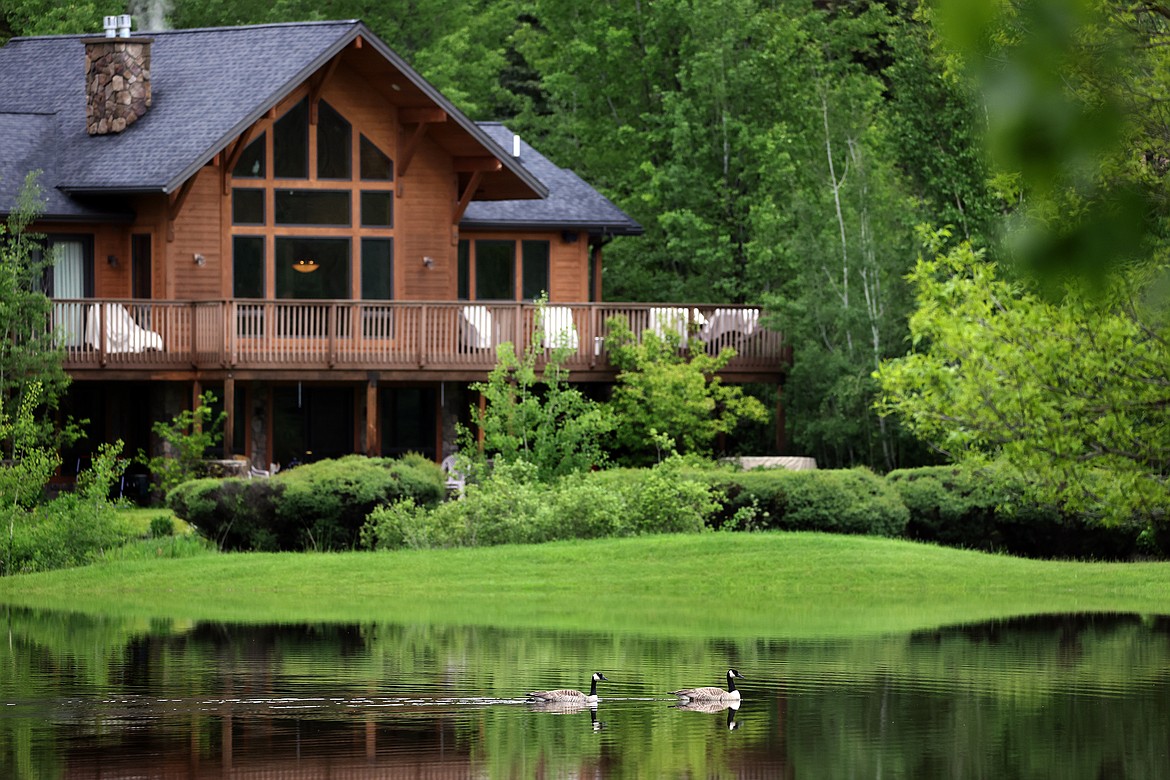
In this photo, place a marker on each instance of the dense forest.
(805, 154)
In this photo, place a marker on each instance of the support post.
(196, 391)
(781, 443)
(372, 415)
(229, 420)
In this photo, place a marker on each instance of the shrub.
(161, 526)
(319, 506)
(986, 509)
(71, 530)
(513, 506)
(581, 507)
(846, 501)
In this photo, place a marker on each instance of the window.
(493, 266)
(377, 208)
(464, 283)
(495, 270)
(247, 207)
(376, 166)
(290, 143)
(333, 144)
(312, 207)
(534, 271)
(247, 267)
(301, 228)
(251, 162)
(140, 262)
(329, 256)
(377, 269)
(71, 275)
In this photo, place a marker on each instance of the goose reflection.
(568, 708)
(711, 707)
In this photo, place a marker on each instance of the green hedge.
(987, 510)
(845, 501)
(317, 506)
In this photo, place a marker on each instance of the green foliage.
(30, 354)
(845, 501)
(74, 528)
(319, 506)
(538, 418)
(988, 509)
(186, 439)
(662, 391)
(162, 526)
(514, 506)
(1075, 96)
(1069, 396)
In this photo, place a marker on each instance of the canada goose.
(569, 695)
(712, 692)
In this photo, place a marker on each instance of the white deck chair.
(475, 327)
(123, 334)
(725, 324)
(560, 332)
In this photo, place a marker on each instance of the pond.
(1052, 696)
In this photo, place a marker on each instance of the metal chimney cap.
(110, 25)
(124, 22)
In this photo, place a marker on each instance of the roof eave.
(593, 228)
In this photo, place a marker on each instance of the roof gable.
(208, 85)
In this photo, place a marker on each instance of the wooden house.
(290, 216)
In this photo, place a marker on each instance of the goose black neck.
(730, 683)
(593, 686)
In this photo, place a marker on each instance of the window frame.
(273, 232)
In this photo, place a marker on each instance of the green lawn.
(717, 585)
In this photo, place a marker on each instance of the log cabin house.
(290, 216)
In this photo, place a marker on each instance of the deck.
(387, 340)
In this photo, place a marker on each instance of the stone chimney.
(117, 80)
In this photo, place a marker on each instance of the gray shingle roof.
(192, 71)
(42, 122)
(571, 203)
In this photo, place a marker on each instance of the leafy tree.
(186, 439)
(664, 391)
(538, 418)
(1078, 124)
(31, 353)
(1070, 395)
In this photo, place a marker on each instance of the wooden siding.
(198, 229)
(425, 229)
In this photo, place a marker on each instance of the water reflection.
(710, 707)
(1062, 695)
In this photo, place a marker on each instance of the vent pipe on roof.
(515, 145)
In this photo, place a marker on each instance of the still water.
(1066, 696)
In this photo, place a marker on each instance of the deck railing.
(366, 335)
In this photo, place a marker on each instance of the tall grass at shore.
(717, 585)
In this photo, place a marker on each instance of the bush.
(71, 530)
(986, 510)
(513, 506)
(319, 506)
(161, 526)
(844, 501)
